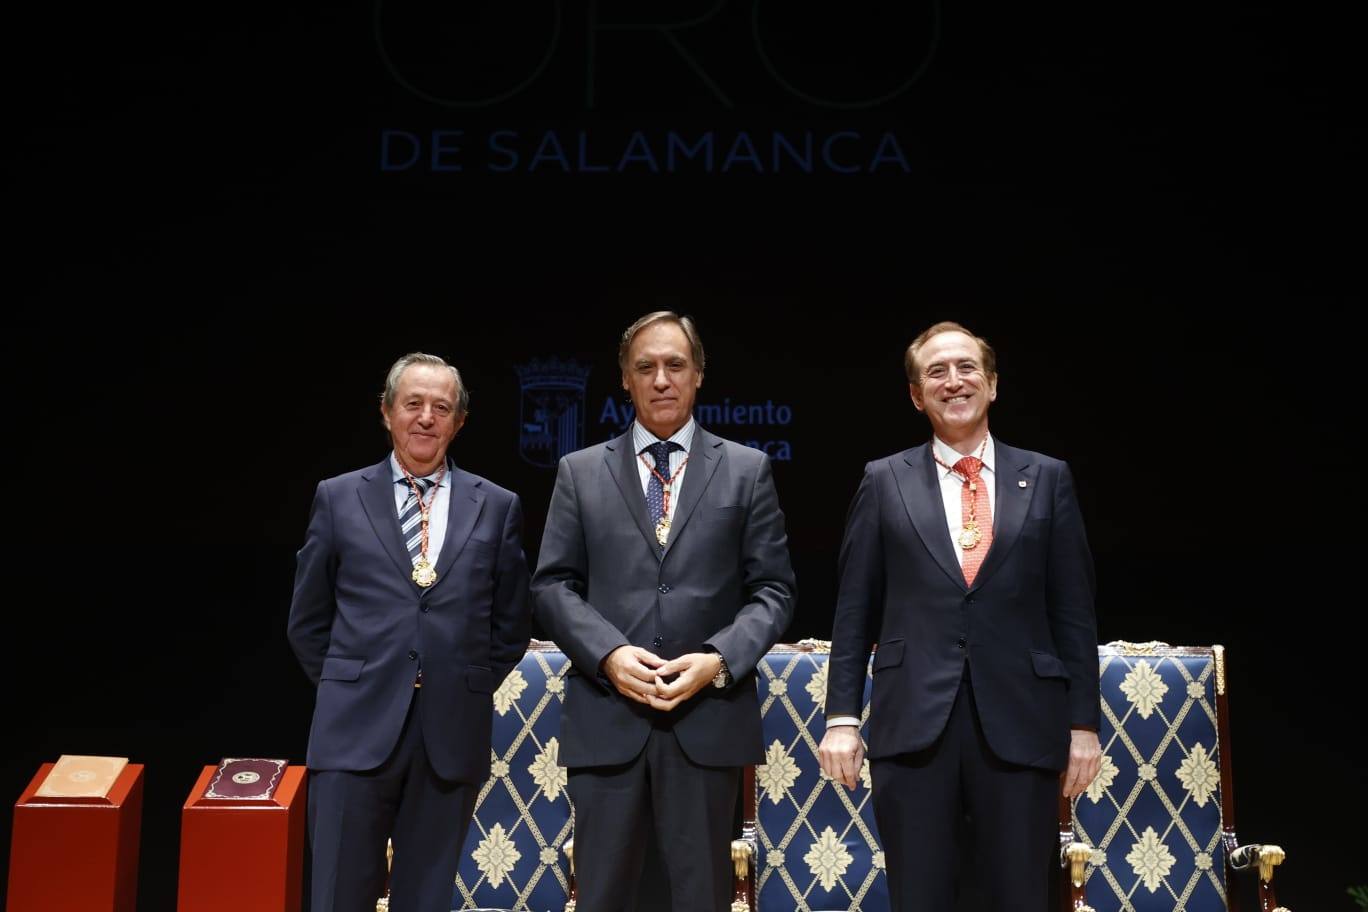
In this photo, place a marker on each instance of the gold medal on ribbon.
(662, 526)
(970, 535)
(423, 573)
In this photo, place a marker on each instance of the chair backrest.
(817, 847)
(1154, 815)
(1159, 816)
(513, 856)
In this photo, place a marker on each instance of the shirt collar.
(642, 438)
(397, 472)
(948, 455)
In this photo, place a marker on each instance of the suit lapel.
(464, 504)
(377, 500)
(620, 457)
(919, 486)
(1013, 497)
(703, 463)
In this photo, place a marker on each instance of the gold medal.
(970, 535)
(662, 526)
(423, 573)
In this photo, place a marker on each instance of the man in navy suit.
(664, 575)
(965, 560)
(410, 606)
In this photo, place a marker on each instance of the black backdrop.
(1151, 212)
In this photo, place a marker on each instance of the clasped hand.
(641, 675)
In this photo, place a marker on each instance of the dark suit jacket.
(360, 625)
(1026, 626)
(724, 582)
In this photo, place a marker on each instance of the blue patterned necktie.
(655, 490)
(411, 518)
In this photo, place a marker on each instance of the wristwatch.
(723, 676)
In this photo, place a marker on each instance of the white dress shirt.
(642, 438)
(437, 513)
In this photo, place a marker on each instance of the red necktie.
(974, 508)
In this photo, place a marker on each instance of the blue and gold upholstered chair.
(1156, 829)
(808, 844)
(517, 853)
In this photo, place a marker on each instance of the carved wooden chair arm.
(1265, 857)
(1074, 856)
(569, 850)
(742, 851)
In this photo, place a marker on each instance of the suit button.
(961, 642)
(658, 642)
(413, 654)
(663, 588)
(425, 607)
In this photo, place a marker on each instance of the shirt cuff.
(835, 721)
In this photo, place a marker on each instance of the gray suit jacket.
(723, 583)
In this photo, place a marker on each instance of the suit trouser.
(920, 799)
(352, 813)
(691, 809)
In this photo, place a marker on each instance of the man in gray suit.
(665, 576)
(410, 606)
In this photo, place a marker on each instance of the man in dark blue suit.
(410, 606)
(965, 560)
(664, 575)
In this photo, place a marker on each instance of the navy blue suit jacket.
(360, 626)
(1026, 626)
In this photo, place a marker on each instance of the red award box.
(242, 838)
(77, 852)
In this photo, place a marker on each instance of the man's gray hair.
(409, 360)
(685, 324)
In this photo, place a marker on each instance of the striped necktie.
(411, 518)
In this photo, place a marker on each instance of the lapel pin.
(1022, 484)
